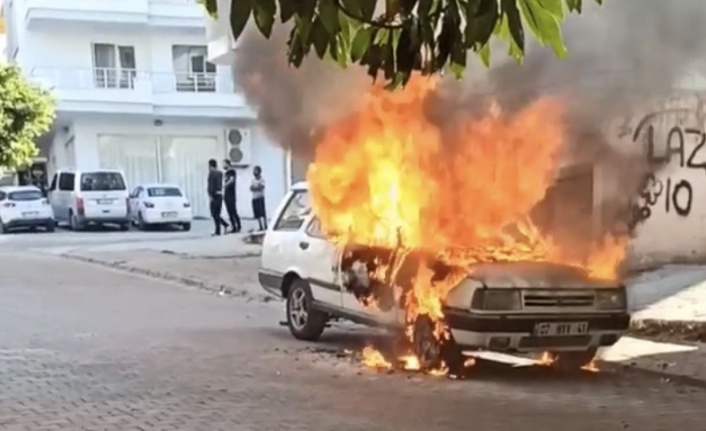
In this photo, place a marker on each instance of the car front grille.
(558, 298)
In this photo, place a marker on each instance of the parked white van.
(81, 198)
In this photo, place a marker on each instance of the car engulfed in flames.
(509, 307)
(432, 216)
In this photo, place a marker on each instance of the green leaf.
(328, 13)
(264, 12)
(544, 25)
(481, 19)
(574, 5)
(554, 7)
(360, 43)
(484, 54)
(287, 10)
(211, 7)
(305, 9)
(296, 50)
(352, 7)
(319, 37)
(514, 22)
(239, 14)
(367, 9)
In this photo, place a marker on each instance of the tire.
(74, 223)
(50, 226)
(571, 361)
(433, 353)
(3, 230)
(125, 226)
(186, 226)
(303, 321)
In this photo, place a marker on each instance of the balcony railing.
(105, 78)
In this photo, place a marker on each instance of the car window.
(135, 192)
(52, 186)
(102, 182)
(163, 192)
(25, 195)
(297, 209)
(66, 181)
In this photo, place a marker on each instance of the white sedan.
(23, 207)
(160, 204)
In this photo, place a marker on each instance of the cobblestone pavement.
(88, 348)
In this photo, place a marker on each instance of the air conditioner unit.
(239, 146)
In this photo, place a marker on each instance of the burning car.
(516, 306)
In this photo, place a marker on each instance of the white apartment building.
(135, 91)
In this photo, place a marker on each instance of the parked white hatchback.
(23, 207)
(160, 204)
(511, 307)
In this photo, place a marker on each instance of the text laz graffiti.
(672, 194)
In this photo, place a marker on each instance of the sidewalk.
(225, 264)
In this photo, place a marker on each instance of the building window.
(114, 66)
(193, 72)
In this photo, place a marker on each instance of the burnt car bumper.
(517, 333)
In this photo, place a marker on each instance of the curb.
(186, 281)
(674, 329)
(677, 378)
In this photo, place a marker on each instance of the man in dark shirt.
(215, 194)
(229, 196)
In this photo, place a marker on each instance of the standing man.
(229, 196)
(215, 194)
(257, 187)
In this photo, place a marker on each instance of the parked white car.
(160, 204)
(522, 307)
(23, 207)
(99, 197)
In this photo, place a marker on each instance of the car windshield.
(163, 192)
(25, 195)
(102, 182)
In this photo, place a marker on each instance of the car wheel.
(186, 226)
(2, 228)
(124, 226)
(50, 226)
(571, 361)
(305, 323)
(74, 222)
(141, 222)
(432, 352)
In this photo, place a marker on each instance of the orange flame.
(388, 176)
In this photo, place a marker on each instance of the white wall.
(271, 158)
(672, 206)
(53, 49)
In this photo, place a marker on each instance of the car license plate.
(30, 214)
(105, 201)
(560, 329)
(169, 214)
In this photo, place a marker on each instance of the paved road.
(87, 348)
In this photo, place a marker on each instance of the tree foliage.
(427, 36)
(26, 112)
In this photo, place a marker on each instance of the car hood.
(540, 275)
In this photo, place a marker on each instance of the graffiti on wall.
(682, 147)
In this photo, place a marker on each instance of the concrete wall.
(671, 209)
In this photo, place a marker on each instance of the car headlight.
(497, 299)
(611, 299)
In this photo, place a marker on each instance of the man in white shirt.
(257, 187)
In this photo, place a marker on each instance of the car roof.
(10, 189)
(155, 185)
(300, 186)
(88, 171)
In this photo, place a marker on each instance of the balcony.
(43, 14)
(109, 90)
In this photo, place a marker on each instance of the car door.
(134, 197)
(321, 258)
(53, 196)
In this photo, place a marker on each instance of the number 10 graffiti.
(677, 196)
